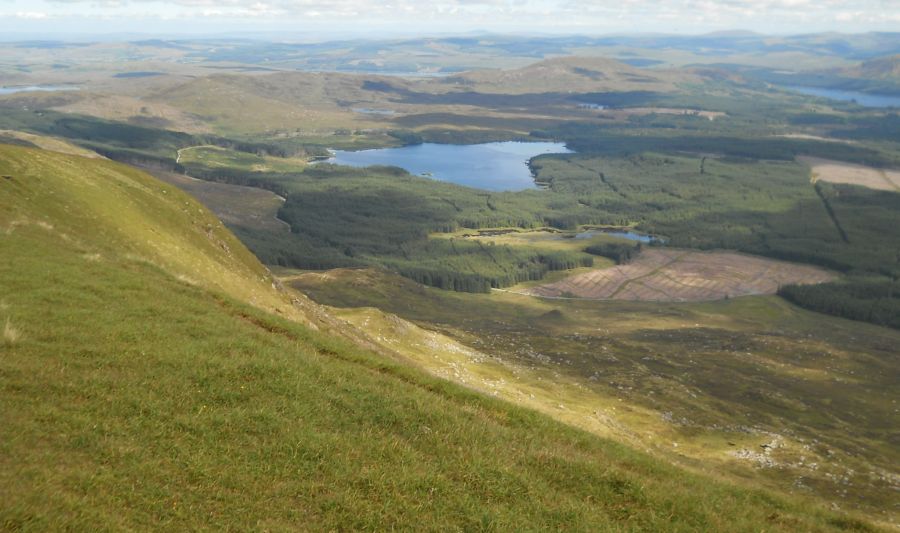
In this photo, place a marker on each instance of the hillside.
(267, 102)
(108, 210)
(140, 391)
(316, 102)
(572, 74)
(879, 68)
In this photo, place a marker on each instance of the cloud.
(31, 15)
(505, 15)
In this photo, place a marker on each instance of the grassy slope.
(131, 399)
(47, 143)
(717, 378)
(109, 209)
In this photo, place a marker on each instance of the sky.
(369, 18)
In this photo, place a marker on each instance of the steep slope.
(110, 210)
(47, 143)
(133, 399)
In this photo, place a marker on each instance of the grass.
(83, 200)
(216, 157)
(715, 378)
(140, 401)
(712, 378)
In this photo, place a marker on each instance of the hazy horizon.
(316, 19)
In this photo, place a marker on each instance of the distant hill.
(572, 74)
(318, 101)
(879, 68)
(267, 102)
(880, 75)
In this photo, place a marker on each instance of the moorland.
(749, 337)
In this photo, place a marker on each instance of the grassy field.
(750, 388)
(135, 399)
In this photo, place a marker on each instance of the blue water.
(22, 89)
(630, 235)
(863, 99)
(373, 111)
(500, 166)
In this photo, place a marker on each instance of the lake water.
(630, 235)
(500, 166)
(373, 111)
(13, 90)
(863, 99)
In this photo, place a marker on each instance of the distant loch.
(863, 99)
(498, 166)
(33, 88)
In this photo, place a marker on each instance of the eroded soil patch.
(677, 275)
(840, 172)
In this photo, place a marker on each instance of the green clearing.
(216, 157)
(134, 400)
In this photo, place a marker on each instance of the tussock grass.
(11, 334)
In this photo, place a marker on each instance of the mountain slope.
(132, 399)
(109, 210)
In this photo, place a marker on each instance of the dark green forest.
(728, 183)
